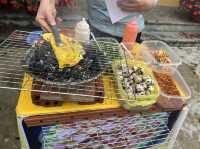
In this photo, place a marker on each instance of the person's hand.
(46, 14)
(135, 5)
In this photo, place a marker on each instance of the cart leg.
(23, 140)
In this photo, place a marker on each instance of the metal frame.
(131, 131)
(172, 138)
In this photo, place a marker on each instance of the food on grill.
(134, 80)
(167, 84)
(137, 87)
(161, 56)
(43, 64)
(69, 54)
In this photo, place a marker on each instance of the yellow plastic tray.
(142, 100)
(25, 107)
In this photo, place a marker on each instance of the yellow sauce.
(67, 55)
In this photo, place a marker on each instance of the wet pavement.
(9, 138)
(189, 135)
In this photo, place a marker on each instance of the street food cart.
(96, 110)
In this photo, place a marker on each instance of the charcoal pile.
(41, 62)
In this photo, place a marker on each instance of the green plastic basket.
(142, 101)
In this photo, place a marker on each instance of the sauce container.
(179, 82)
(148, 49)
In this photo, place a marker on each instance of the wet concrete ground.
(189, 136)
(9, 138)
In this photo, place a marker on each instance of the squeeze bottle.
(130, 32)
(82, 31)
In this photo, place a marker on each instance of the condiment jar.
(82, 31)
(130, 32)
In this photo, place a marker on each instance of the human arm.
(46, 14)
(136, 5)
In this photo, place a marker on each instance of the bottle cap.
(83, 25)
(132, 22)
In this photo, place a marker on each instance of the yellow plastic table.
(25, 107)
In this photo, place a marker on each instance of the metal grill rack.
(137, 131)
(13, 52)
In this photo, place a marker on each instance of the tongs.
(56, 35)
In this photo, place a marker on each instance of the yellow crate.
(25, 107)
(142, 100)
